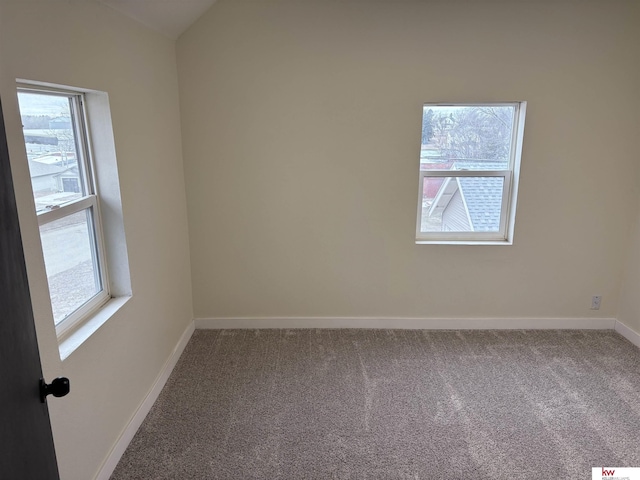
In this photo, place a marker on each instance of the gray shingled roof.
(471, 164)
(483, 196)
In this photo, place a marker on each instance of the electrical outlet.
(595, 302)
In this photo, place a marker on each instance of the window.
(66, 202)
(469, 167)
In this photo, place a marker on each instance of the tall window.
(469, 169)
(66, 202)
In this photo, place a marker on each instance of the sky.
(39, 104)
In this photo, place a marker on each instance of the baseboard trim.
(407, 323)
(130, 430)
(628, 333)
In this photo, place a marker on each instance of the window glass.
(476, 137)
(469, 159)
(462, 204)
(65, 201)
(52, 149)
(71, 262)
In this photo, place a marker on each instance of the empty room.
(320, 239)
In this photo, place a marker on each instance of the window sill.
(76, 337)
(464, 242)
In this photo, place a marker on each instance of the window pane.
(71, 262)
(50, 139)
(466, 137)
(461, 204)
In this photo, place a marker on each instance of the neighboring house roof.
(40, 139)
(482, 199)
(433, 184)
(53, 158)
(471, 164)
(481, 196)
(39, 169)
(62, 123)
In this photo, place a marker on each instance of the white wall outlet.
(595, 302)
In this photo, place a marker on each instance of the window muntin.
(66, 202)
(469, 162)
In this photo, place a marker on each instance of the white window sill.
(464, 242)
(71, 341)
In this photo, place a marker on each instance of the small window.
(66, 202)
(469, 168)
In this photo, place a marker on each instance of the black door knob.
(58, 388)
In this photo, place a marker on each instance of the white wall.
(301, 135)
(629, 312)
(87, 45)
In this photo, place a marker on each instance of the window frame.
(89, 202)
(504, 235)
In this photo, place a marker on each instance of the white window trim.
(105, 175)
(504, 236)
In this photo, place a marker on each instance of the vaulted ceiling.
(170, 17)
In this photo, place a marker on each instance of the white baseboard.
(628, 333)
(130, 430)
(407, 323)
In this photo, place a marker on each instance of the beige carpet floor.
(393, 404)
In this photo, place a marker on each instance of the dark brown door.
(26, 443)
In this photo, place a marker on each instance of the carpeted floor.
(393, 404)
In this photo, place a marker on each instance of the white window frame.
(90, 202)
(511, 176)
